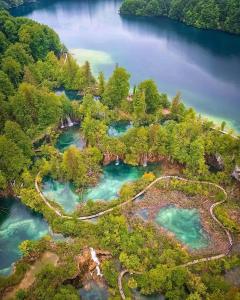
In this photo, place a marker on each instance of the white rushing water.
(70, 123)
(117, 161)
(96, 260)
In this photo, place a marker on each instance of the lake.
(203, 65)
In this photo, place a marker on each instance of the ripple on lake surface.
(17, 223)
(185, 224)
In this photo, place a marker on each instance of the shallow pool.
(185, 224)
(108, 187)
(61, 192)
(119, 128)
(69, 137)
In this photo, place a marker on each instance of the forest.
(12, 3)
(206, 14)
(34, 64)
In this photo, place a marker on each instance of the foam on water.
(17, 223)
(185, 224)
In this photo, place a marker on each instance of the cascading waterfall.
(117, 161)
(96, 260)
(70, 123)
(145, 161)
(62, 125)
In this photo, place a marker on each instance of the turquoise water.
(70, 136)
(119, 128)
(110, 183)
(112, 179)
(71, 95)
(185, 224)
(63, 193)
(137, 296)
(17, 223)
(94, 292)
(203, 65)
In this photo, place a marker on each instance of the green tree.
(12, 160)
(14, 132)
(89, 80)
(6, 87)
(40, 39)
(74, 166)
(20, 53)
(139, 105)
(152, 97)
(13, 69)
(101, 84)
(3, 42)
(117, 88)
(36, 107)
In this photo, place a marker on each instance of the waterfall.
(62, 125)
(70, 123)
(117, 161)
(66, 57)
(145, 161)
(96, 260)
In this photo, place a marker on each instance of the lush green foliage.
(209, 14)
(32, 66)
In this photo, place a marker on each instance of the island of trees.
(34, 63)
(207, 14)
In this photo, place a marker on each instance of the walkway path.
(196, 261)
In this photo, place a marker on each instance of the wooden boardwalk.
(124, 272)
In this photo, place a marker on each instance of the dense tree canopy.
(209, 14)
(32, 114)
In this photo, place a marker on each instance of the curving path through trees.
(196, 261)
(124, 272)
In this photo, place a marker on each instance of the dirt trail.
(30, 276)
